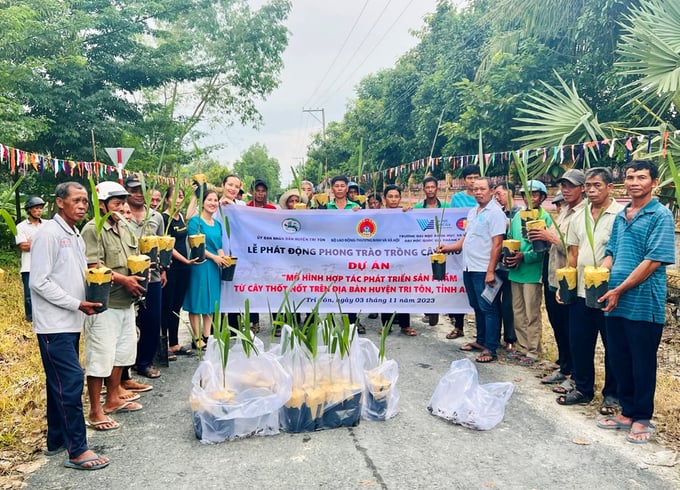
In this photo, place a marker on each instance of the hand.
(164, 279)
(192, 261)
(407, 207)
(612, 298)
(219, 260)
(545, 235)
(88, 307)
(557, 297)
(490, 278)
(442, 249)
(132, 285)
(514, 260)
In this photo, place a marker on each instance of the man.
(525, 276)
(637, 253)
(374, 201)
(355, 194)
(156, 198)
(585, 323)
(110, 337)
(466, 198)
(339, 190)
(392, 195)
(58, 295)
(504, 193)
(571, 185)
(259, 200)
(25, 230)
(430, 185)
(481, 245)
(149, 314)
(340, 201)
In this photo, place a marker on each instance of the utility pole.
(323, 130)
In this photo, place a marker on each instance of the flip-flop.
(125, 407)
(409, 332)
(647, 430)
(79, 465)
(182, 351)
(471, 347)
(615, 424)
(130, 398)
(98, 425)
(485, 357)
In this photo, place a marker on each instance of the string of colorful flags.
(25, 161)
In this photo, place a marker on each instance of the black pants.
(559, 319)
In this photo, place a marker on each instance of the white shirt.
(482, 225)
(25, 232)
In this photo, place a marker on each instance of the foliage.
(257, 163)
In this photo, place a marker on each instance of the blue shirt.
(482, 225)
(463, 200)
(649, 235)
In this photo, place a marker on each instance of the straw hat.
(293, 192)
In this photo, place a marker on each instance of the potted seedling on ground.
(595, 279)
(381, 381)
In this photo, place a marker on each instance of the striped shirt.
(649, 235)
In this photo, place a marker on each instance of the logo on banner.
(426, 224)
(367, 228)
(291, 225)
(461, 223)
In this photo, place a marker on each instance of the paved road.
(538, 445)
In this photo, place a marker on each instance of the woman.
(204, 281)
(290, 198)
(178, 273)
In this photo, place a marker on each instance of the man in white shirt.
(34, 207)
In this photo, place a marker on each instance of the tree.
(255, 163)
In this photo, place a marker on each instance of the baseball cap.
(132, 180)
(574, 177)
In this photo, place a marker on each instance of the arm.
(454, 247)
(496, 246)
(572, 256)
(639, 275)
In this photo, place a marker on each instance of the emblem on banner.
(367, 228)
(291, 225)
(461, 223)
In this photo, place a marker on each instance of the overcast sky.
(311, 80)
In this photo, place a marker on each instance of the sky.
(319, 73)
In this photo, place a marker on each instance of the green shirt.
(531, 268)
(348, 205)
(115, 248)
(422, 204)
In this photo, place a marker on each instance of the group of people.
(505, 291)
(632, 242)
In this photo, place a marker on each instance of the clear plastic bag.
(244, 403)
(460, 399)
(326, 391)
(381, 396)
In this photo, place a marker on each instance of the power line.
(337, 55)
(349, 77)
(363, 41)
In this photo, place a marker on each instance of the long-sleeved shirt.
(57, 279)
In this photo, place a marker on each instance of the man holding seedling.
(111, 336)
(147, 222)
(571, 185)
(586, 323)
(58, 294)
(481, 246)
(637, 253)
(526, 268)
(34, 207)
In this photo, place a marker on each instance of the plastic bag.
(381, 396)
(326, 391)
(460, 399)
(245, 402)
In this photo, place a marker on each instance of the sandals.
(609, 405)
(149, 372)
(556, 378)
(409, 331)
(612, 423)
(360, 328)
(182, 351)
(648, 429)
(514, 355)
(574, 397)
(485, 357)
(471, 346)
(455, 333)
(527, 361)
(564, 388)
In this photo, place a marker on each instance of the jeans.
(632, 350)
(507, 315)
(584, 326)
(487, 315)
(27, 297)
(64, 384)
